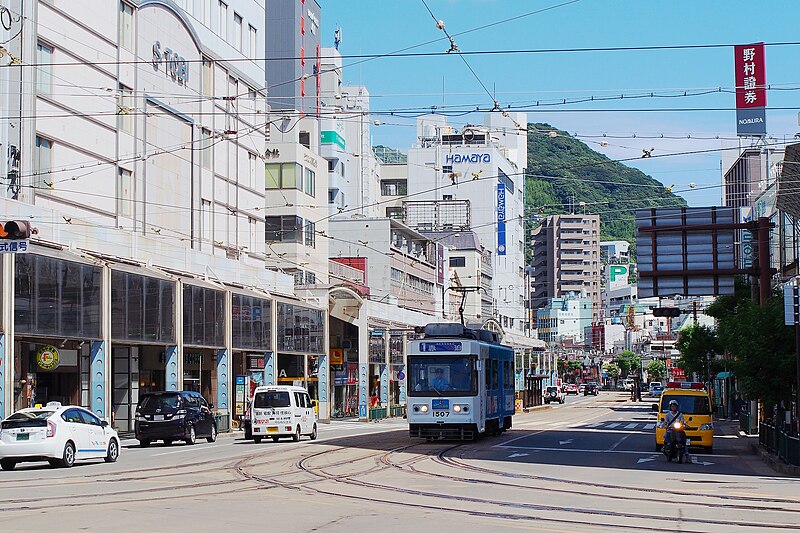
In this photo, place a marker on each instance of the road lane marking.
(631, 426)
(594, 424)
(615, 424)
(586, 450)
(620, 441)
(649, 426)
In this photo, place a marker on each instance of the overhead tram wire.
(520, 51)
(597, 163)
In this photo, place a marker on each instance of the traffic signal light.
(15, 230)
(671, 312)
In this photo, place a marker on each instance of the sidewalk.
(746, 447)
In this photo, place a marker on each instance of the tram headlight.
(421, 408)
(461, 408)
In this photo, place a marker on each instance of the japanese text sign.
(751, 91)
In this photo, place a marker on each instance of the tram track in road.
(689, 498)
(223, 466)
(316, 475)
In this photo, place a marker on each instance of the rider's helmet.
(673, 402)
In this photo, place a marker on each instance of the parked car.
(581, 388)
(171, 416)
(653, 384)
(554, 394)
(57, 434)
(281, 411)
(571, 388)
(656, 391)
(591, 388)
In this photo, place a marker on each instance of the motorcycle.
(678, 447)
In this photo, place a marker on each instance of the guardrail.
(780, 443)
(397, 410)
(377, 412)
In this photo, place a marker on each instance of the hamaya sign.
(751, 89)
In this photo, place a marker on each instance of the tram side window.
(506, 375)
(495, 376)
(488, 374)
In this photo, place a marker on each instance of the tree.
(566, 368)
(761, 345)
(612, 369)
(656, 370)
(628, 362)
(698, 345)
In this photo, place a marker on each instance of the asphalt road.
(587, 465)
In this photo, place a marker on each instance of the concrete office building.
(472, 179)
(566, 259)
(148, 194)
(293, 31)
(564, 318)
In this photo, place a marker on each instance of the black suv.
(171, 416)
(591, 388)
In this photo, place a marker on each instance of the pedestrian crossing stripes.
(620, 425)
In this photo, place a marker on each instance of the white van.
(282, 411)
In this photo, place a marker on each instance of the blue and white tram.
(460, 383)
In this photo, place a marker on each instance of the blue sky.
(388, 25)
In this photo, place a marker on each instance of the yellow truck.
(694, 401)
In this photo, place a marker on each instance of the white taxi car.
(57, 434)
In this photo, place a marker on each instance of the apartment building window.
(284, 176)
(252, 225)
(394, 187)
(308, 185)
(205, 214)
(126, 109)
(44, 74)
(394, 212)
(458, 261)
(503, 178)
(208, 77)
(237, 31)
(125, 193)
(126, 26)
(222, 20)
(311, 234)
(205, 148)
(252, 33)
(285, 228)
(44, 161)
(251, 169)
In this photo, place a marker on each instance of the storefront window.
(203, 316)
(377, 347)
(251, 323)
(58, 298)
(300, 329)
(142, 308)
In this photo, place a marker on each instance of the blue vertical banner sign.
(501, 219)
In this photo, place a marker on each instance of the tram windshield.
(442, 376)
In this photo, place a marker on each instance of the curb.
(774, 463)
(535, 408)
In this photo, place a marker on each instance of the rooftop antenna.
(337, 37)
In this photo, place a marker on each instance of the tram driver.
(439, 382)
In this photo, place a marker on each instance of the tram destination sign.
(440, 346)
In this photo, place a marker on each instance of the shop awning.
(724, 375)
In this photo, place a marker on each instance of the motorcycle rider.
(672, 415)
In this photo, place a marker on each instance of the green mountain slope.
(563, 171)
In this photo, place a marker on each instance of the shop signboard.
(337, 356)
(47, 358)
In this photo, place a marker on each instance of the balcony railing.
(341, 273)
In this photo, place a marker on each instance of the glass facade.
(203, 316)
(300, 329)
(56, 298)
(142, 308)
(251, 322)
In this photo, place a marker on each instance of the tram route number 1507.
(441, 414)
